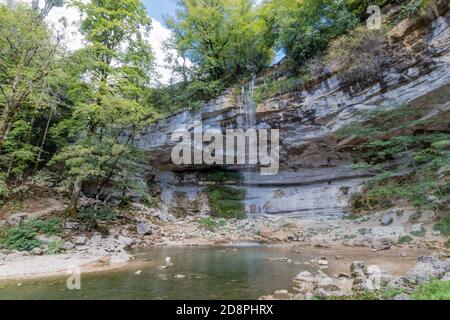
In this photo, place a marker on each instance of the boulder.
(67, 246)
(143, 229)
(418, 230)
(363, 285)
(387, 220)
(16, 219)
(401, 30)
(446, 277)
(357, 266)
(79, 241)
(125, 241)
(427, 259)
(70, 225)
(304, 276)
(381, 244)
(37, 252)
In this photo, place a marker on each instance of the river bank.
(387, 238)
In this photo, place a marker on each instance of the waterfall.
(248, 105)
(248, 112)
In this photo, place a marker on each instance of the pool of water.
(243, 272)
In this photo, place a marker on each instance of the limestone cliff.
(316, 178)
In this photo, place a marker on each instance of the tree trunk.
(5, 124)
(41, 149)
(72, 209)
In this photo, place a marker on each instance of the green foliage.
(226, 202)
(4, 190)
(444, 226)
(31, 60)
(222, 176)
(277, 87)
(54, 247)
(92, 214)
(391, 293)
(412, 164)
(110, 80)
(50, 226)
(222, 38)
(185, 95)
(433, 290)
(419, 233)
(411, 8)
(22, 238)
(212, 224)
(359, 7)
(305, 28)
(358, 56)
(405, 240)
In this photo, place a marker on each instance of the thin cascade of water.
(248, 111)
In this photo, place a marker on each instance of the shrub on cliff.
(409, 156)
(359, 56)
(226, 202)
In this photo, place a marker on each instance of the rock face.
(315, 178)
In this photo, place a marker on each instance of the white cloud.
(73, 40)
(158, 36)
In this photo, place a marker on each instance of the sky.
(158, 9)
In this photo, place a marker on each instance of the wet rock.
(119, 258)
(304, 276)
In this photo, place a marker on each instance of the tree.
(113, 71)
(305, 27)
(222, 38)
(29, 52)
